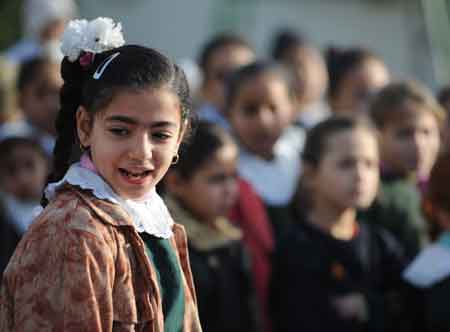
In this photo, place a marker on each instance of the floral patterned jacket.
(83, 267)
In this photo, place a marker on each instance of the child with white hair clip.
(105, 254)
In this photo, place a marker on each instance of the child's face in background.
(359, 85)
(310, 74)
(24, 173)
(53, 30)
(39, 100)
(348, 174)
(133, 140)
(411, 143)
(213, 190)
(223, 62)
(260, 112)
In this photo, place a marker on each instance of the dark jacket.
(312, 268)
(222, 273)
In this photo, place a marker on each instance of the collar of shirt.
(149, 215)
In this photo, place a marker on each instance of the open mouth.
(134, 176)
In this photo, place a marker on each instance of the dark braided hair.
(135, 68)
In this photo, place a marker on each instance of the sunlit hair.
(387, 105)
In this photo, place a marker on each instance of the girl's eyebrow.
(132, 121)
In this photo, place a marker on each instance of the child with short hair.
(409, 120)
(23, 174)
(105, 254)
(38, 84)
(202, 189)
(332, 272)
(355, 75)
(429, 273)
(219, 57)
(309, 76)
(260, 111)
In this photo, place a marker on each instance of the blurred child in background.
(310, 77)
(219, 57)
(355, 74)
(43, 25)
(8, 106)
(429, 273)
(332, 272)
(202, 188)
(260, 111)
(23, 174)
(38, 84)
(408, 119)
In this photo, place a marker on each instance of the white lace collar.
(150, 215)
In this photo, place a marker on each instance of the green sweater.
(170, 281)
(397, 208)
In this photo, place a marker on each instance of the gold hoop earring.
(175, 159)
(83, 148)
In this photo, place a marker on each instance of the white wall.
(394, 29)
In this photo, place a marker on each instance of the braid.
(70, 98)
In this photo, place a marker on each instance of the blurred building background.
(411, 35)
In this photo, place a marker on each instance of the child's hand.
(352, 306)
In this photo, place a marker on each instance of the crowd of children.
(297, 192)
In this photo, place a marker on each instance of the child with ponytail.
(105, 255)
(330, 271)
(202, 189)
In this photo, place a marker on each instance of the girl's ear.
(84, 126)
(183, 129)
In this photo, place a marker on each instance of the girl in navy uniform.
(332, 272)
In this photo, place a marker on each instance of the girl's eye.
(404, 133)
(119, 131)
(346, 163)
(161, 136)
(250, 109)
(273, 108)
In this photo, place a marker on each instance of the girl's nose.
(141, 148)
(360, 171)
(265, 117)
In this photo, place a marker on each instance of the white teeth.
(135, 175)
